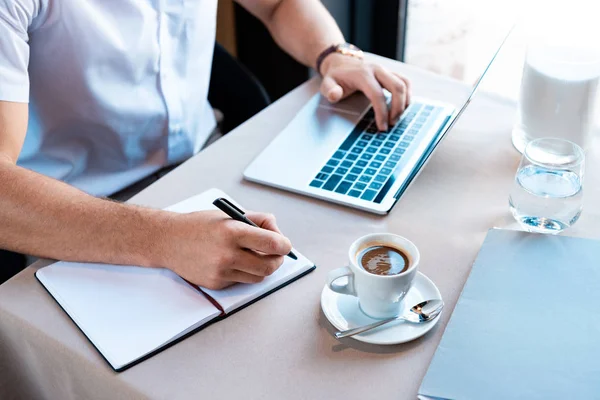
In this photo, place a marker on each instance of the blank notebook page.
(126, 312)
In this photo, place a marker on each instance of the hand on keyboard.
(343, 75)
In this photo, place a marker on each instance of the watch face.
(350, 50)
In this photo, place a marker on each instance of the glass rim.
(577, 153)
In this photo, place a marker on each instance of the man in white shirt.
(96, 95)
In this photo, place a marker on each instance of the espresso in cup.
(383, 260)
(380, 273)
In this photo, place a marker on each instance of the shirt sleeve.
(15, 18)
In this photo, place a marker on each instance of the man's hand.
(214, 251)
(344, 75)
(304, 28)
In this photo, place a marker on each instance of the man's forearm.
(304, 28)
(47, 218)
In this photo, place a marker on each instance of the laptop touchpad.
(354, 105)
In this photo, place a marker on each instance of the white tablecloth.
(282, 347)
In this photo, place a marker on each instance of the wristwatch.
(346, 49)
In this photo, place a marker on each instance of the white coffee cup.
(379, 296)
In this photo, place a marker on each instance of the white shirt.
(117, 89)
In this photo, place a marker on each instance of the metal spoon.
(422, 312)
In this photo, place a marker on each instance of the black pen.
(230, 209)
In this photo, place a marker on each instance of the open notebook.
(131, 313)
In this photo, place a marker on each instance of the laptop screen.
(450, 122)
(460, 111)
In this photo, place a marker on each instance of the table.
(282, 347)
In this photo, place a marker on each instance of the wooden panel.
(226, 26)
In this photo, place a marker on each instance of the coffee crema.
(383, 260)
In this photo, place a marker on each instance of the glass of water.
(547, 194)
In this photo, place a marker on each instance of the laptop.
(335, 152)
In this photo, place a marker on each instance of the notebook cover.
(160, 349)
(526, 324)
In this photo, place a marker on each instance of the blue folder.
(527, 324)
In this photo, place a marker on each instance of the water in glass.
(547, 192)
(546, 201)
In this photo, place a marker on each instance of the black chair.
(234, 90)
(10, 264)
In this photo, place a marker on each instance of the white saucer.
(344, 313)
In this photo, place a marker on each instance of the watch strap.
(324, 54)
(341, 48)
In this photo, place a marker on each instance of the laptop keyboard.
(363, 166)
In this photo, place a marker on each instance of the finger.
(238, 276)
(374, 92)
(264, 220)
(397, 88)
(262, 240)
(408, 87)
(256, 264)
(331, 90)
